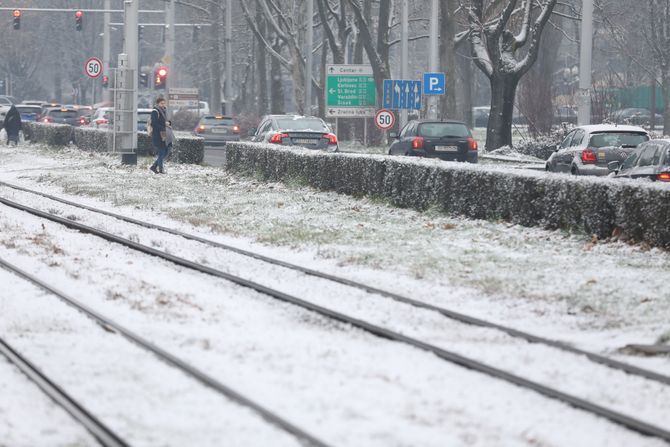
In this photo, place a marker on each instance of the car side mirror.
(393, 135)
(614, 166)
(556, 147)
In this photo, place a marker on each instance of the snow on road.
(307, 367)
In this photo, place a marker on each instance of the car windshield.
(618, 139)
(218, 122)
(301, 124)
(64, 113)
(443, 130)
(28, 109)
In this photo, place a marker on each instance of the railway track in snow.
(618, 417)
(102, 433)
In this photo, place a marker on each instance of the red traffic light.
(17, 13)
(162, 72)
(79, 14)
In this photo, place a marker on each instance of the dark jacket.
(12, 123)
(157, 127)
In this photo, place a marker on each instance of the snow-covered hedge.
(602, 207)
(187, 148)
(47, 133)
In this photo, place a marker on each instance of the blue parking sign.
(434, 83)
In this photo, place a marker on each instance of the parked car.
(293, 130)
(217, 130)
(565, 114)
(29, 112)
(587, 150)
(480, 116)
(102, 118)
(651, 160)
(635, 116)
(142, 118)
(63, 115)
(446, 140)
(202, 109)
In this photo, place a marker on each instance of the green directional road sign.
(350, 91)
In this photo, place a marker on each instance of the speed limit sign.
(93, 67)
(385, 119)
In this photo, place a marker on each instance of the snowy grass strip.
(603, 207)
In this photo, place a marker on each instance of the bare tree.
(503, 56)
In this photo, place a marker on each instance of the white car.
(587, 150)
(203, 110)
(102, 118)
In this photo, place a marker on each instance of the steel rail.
(626, 421)
(93, 425)
(451, 314)
(302, 436)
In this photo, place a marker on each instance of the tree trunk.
(499, 131)
(665, 80)
(215, 61)
(448, 107)
(261, 65)
(276, 84)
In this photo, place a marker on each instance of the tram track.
(452, 357)
(170, 359)
(448, 313)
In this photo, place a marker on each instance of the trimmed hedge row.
(47, 133)
(602, 207)
(186, 149)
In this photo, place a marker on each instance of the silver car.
(217, 130)
(587, 150)
(293, 130)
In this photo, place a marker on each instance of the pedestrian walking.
(159, 134)
(12, 125)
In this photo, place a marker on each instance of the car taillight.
(278, 137)
(417, 143)
(472, 144)
(82, 121)
(331, 137)
(588, 156)
(47, 120)
(101, 121)
(236, 129)
(663, 177)
(200, 129)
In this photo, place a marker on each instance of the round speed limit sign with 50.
(385, 119)
(93, 67)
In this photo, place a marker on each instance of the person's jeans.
(162, 154)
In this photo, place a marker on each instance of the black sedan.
(293, 130)
(446, 140)
(651, 161)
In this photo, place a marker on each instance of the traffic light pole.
(404, 53)
(106, 49)
(129, 109)
(586, 52)
(169, 48)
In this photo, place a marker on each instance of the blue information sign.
(402, 94)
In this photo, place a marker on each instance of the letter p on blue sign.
(434, 83)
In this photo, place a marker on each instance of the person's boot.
(161, 171)
(153, 169)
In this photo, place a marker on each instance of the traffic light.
(17, 18)
(160, 77)
(144, 80)
(79, 20)
(105, 81)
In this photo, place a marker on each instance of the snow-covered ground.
(344, 386)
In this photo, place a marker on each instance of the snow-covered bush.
(594, 206)
(188, 148)
(47, 133)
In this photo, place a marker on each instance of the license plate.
(215, 130)
(304, 141)
(446, 148)
(602, 155)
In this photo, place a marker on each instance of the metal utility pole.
(309, 60)
(125, 122)
(586, 51)
(169, 48)
(229, 58)
(434, 55)
(106, 49)
(404, 53)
